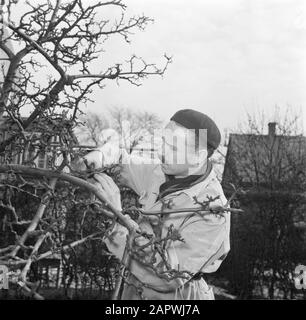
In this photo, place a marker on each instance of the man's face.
(178, 153)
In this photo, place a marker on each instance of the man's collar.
(197, 189)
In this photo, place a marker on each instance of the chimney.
(272, 126)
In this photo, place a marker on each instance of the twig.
(197, 210)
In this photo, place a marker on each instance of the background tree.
(91, 128)
(133, 126)
(266, 243)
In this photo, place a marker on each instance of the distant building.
(266, 162)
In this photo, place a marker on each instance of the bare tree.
(130, 125)
(66, 37)
(49, 77)
(91, 129)
(133, 126)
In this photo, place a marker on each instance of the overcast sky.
(229, 57)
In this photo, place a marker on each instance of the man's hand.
(117, 240)
(109, 189)
(92, 160)
(103, 156)
(112, 193)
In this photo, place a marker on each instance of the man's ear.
(210, 152)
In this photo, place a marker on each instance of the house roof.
(265, 160)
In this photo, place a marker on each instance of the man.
(172, 269)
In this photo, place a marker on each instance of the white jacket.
(206, 239)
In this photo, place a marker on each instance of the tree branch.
(35, 45)
(35, 172)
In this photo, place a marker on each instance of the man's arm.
(136, 172)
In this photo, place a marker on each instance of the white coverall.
(206, 239)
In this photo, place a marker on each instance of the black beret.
(192, 119)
